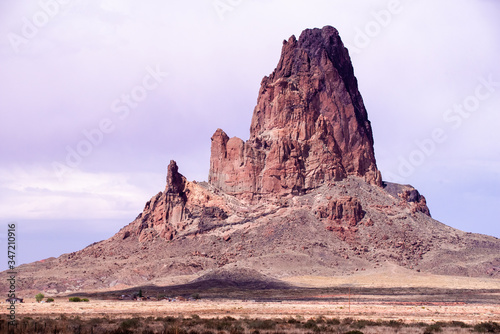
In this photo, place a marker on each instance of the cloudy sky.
(97, 96)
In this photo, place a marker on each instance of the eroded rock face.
(183, 207)
(412, 196)
(346, 209)
(309, 127)
(342, 216)
(163, 213)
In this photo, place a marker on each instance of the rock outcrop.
(174, 210)
(342, 216)
(346, 209)
(309, 127)
(166, 210)
(412, 196)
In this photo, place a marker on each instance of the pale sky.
(98, 96)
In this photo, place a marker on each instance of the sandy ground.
(206, 308)
(395, 277)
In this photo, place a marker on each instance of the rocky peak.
(309, 127)
(163, 214)
(175, 181)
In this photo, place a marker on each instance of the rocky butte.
(309, 127)
(303, 196)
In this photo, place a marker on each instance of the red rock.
(164, 211)
(410, 195)
(309, 127)
(342, 216)
(346, 209)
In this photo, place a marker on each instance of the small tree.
(140, 294)
(39, 297)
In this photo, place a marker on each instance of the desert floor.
(264, 310)
(379, 297)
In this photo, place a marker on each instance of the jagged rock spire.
(175, 181)
(309, 127)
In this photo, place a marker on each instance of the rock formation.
(303, 190)
(309, 127)
(409, 194)
(168, 213)
(166, 210)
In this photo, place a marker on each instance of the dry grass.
(396, 277)
(195, 324)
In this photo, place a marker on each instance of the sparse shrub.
(434, 328)
(237, 329)
(292, 320)
(176, 330)
(85, 299)
(193, 321)
(333, 321)
(460, 324)
(394, 323)
(360, 324)
(487, 327)
(49, 300)
(321, 329)
(223, 324)
(120, 331)
(262, 324)
(96, 321)
(310, 324)
(347, 321)
(75, 299)
(354, 332)
(196, 296)
(320, 320)
(168, 319)
(74, 328)
(39, 297)
(130, 323)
